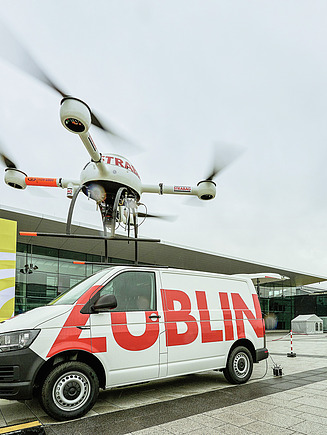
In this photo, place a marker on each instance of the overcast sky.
(176, 77)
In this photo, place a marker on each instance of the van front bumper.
(18, 369)
(261, 354)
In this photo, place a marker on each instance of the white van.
(125, 325)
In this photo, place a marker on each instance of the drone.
(110, 180)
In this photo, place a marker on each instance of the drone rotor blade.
(117, 139)
(96, 121)
(8, 163)
(156, 216)
(224, 155)
(15, 53)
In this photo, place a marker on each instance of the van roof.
(186, 271)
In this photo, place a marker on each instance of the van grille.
(9, 373)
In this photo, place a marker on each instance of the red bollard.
(291, 354)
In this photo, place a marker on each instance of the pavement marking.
(19, 427)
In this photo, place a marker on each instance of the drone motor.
(206, 189)
(15, 178)
(75, 115)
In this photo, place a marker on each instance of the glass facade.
(287, 308)
(54, 273)
(285, 303)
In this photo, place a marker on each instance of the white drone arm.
(65, 182)
(75, 116)
(205, 189)
(19, 180)
(90, 147)
(162, 189)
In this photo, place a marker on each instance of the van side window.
(134, 291)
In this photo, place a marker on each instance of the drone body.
(110, 180)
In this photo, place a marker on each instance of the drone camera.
(206, 190)
(15, 178)
(75, 115)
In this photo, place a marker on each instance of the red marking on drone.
(111, 160)
(182, 189)
(92, 143)
(39, 181)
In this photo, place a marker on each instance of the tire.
(239, 366)
(69, 391)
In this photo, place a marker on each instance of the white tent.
(307, 324)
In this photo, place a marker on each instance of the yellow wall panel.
(7, 283)
(8, 232)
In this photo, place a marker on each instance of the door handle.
(154, 316)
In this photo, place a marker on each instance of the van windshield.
(73, 294)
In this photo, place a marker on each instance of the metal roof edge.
(297, 278)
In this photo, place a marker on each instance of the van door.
(131, 329)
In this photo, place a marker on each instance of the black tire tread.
(228, 371)
(45, 397)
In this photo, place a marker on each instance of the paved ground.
(295, 403)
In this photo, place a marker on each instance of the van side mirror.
(105, 302)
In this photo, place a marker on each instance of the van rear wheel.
(239, 366)
(69, 391)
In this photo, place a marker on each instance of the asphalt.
(294, 403)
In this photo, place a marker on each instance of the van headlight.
(17, 340)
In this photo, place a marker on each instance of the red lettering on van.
(224, 303)
(134, 342)
(68, 337)
(255, 320)
(208, 335)
(172, 316)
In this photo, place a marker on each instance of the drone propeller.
(224, 155)
(14, 52)
(8, 163)
(157, 216)
(5, 159)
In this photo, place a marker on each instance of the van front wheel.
(69, 391)
(239, 366)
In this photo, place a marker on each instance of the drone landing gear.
(71, 209)
(121, 194)
(111, 214)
